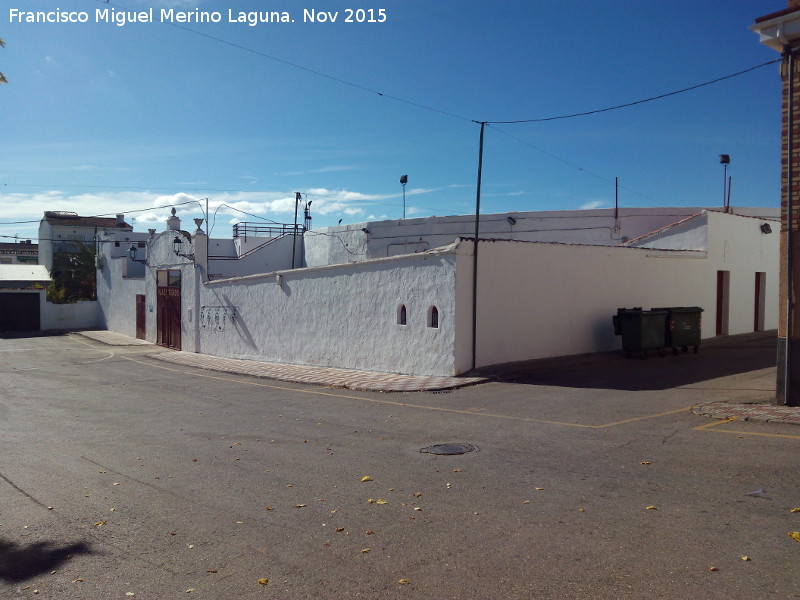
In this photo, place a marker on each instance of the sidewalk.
(334, 378)
(749, 389)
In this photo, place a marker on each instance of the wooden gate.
(141, 316)
(168, 309)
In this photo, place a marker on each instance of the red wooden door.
(141, 313)
(168, 309)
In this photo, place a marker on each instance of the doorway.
(723, 301)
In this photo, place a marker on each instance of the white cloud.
(594, 204)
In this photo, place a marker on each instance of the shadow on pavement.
(19, 563)
(16, 335)
(718, 357)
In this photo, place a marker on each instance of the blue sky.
(99, 118)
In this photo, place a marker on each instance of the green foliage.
(74, 275)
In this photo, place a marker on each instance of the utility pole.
(475, 253)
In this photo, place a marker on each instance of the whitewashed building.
(398, 296)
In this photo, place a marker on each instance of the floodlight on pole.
(725, 160)
(403, 182)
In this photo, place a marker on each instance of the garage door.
(19, 312)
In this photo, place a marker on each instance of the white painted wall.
(689, 234)
(119, 280)
(274, 255)
(736, 244)
(337, 316)
(80, 315)
(538, 300)
(346, 244)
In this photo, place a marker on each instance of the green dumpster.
(641, 330)
(683, 328)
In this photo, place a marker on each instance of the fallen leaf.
(795, 535)
(366, 478)
(339, 529)
(99, 523)
(369, 532)
(300, 505)
(129, 594)
(456, 470)
(404, 582)
(381, 501)
(539, 489)
(191, 546)
(646, 462)
(795, 510)
(370, 500)
(263, 581)
(190, 590)
(713, 569)
(652, 508)
(240, 522)
(114, 484)
(526, 502)
(365, 550)
(78, 580)
(417, 494)
(417, 508)
(745, 558)
(268, 507)
(211, 570)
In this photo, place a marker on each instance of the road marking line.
(662, 414)
(708, 427)
(405, 404)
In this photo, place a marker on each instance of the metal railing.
(244, 229)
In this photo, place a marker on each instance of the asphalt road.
(126, 477)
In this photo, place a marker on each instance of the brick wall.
(795, 158)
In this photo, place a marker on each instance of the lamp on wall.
(177, 245)
(511, 220)
(132, 255)
(766, 228)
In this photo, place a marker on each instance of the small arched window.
(402, 315)
(433, 317)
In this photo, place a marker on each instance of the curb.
(759, 412)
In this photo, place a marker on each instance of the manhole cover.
(450, 449)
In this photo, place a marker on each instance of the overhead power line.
(634, 103)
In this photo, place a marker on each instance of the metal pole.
(724, 186)
(728, 204)
(475, 253)
(294, 233)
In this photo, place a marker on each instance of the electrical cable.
(628, 104)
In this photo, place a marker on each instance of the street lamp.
(403, 182)
(725, 160)
(132, 255)
(177, 245)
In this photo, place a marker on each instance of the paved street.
(124, 476)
